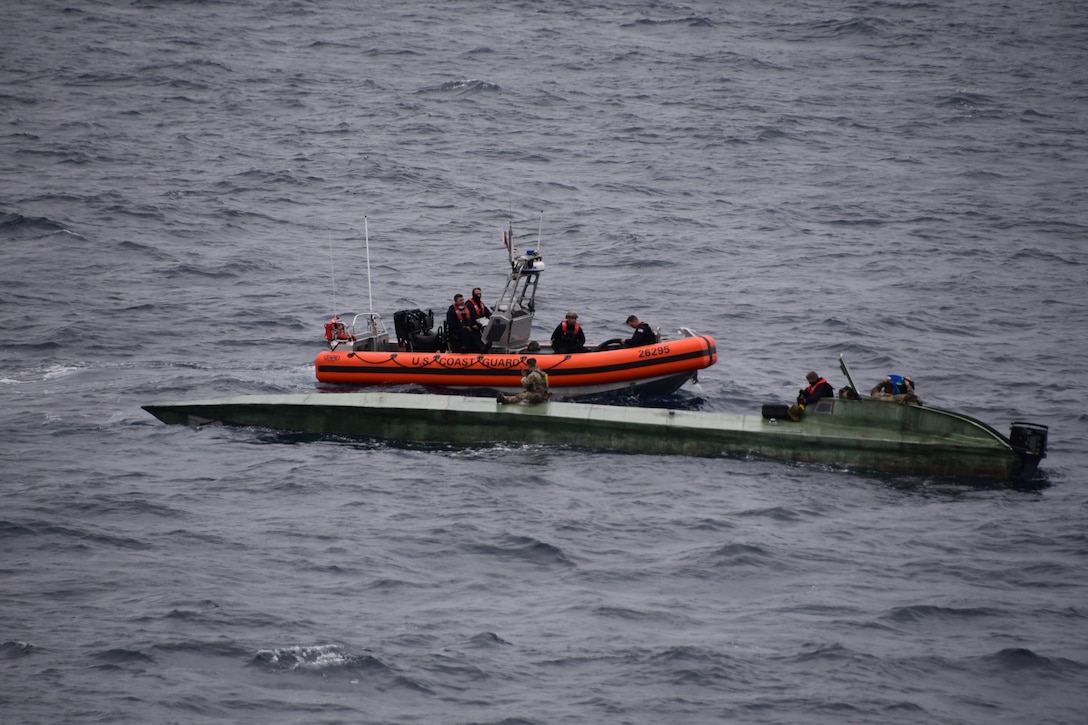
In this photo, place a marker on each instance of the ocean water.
(189, 189)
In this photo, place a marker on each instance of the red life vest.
(463, 315)
(568, 331)
(818, 383)
(477, 307)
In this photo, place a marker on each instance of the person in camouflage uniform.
(896, 387)
(535, 382)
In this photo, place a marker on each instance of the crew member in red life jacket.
(464, 333)
(476, 305)
(335, 330)
(480, 314)
(568, 335)
(818, 387)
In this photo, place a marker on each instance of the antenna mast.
(366, 234)
(332, 271)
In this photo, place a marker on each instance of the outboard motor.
(414, 330)
(1029, 442)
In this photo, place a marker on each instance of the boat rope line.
(431, 362)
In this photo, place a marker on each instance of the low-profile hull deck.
(863, 434)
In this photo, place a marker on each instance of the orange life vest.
(477, 307)
(463, 315)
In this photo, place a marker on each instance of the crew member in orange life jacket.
(480, 315)
(817, 388)
(463, 331)
(568, 335)
(335, 330)
(476, 305)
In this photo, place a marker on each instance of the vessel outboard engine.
(415, 330)
(1029, 442)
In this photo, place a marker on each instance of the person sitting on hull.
(535, 382)
(464, 333)
(818, 388)
(335, 330)
(569, 335)
(644, 334)
(896, 387)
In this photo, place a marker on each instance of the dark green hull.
(864, 434)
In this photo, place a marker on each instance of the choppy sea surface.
(189, 189)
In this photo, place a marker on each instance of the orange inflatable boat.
(426, 354)
(660, 368)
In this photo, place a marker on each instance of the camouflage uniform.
(886, 389)
(535, 382)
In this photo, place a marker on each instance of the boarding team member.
(896, 387)
(535, 382)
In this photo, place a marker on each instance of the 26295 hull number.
(654, 351)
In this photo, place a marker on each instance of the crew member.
(464, 333)
(476, 305)
(535, 382)
(480, 315)
(818, 387)
(568, 335)
(644, 334)
(895, 387)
